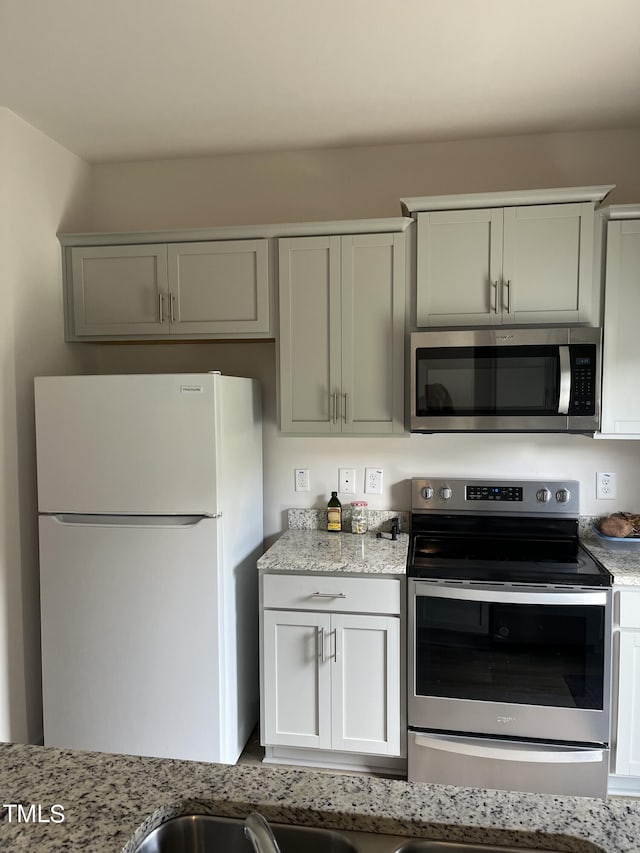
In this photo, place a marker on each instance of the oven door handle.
(564, 395)
(509, 596)
(508, 752)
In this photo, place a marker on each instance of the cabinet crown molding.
(238, 232)
(621, 211)
(513, 198)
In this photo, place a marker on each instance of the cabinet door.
(296, 679)
(219, 288)
(373, 315)
(120, 290)
(459, 268)
(309, 342)
(628, 740)
(548, 263)
(621, 352)
(365, 682)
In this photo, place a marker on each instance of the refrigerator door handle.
(129, 520)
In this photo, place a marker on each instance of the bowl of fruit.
(620, 529)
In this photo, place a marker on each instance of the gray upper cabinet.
(218, 288)
(518, 265)
(208, 289)
(500, 259)
(621, 347)
(341, 343)
(119, 290)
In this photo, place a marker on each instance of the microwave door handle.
(565, 381)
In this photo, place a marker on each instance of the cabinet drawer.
(630, 609)
(320, 592)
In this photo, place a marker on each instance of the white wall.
(367, 182)
(44, 188)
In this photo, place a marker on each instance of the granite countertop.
(339, 553)
(111, 801)
(621, 559)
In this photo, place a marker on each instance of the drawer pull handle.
(328, 595)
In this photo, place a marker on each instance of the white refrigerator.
(150, 525)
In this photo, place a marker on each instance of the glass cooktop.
(501, 550)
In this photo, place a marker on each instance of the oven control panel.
(493, 493)
(534, 497)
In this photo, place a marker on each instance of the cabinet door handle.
(494, 285)
(345, 407)
(328, 595)
(335, 645)
(335, 408)
(172, 302)
(508, 286)
(321, 641)
(161, 308)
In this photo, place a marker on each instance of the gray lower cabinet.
(330, 678)
(194, 289)
(341, 340)
(626, 719)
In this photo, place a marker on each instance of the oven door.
(508, 660)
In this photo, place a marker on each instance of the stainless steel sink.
(423, 846)
(206, 834)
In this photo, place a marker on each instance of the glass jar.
(359, 521)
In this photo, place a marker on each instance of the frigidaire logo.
(506, 719)
(33, 813)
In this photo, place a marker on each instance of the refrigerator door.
(133, 634)
(131, 445)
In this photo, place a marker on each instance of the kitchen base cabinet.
(297, 681)
(331, 680)
(626, 717)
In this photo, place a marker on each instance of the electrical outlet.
(373, 481)
(605, 486)
(347, 481)
(302, 479)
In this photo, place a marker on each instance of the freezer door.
(142, 444)
(133, 637)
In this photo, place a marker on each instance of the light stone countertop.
(111, 801)
(621, 559)
(339, 553)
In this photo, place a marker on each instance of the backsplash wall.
(401, 457)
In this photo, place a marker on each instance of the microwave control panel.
(583, 380)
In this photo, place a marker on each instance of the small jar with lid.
(359, 521)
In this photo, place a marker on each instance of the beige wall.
(44, 188)
(348, 183)
(354, 183)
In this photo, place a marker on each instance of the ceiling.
(118, 80)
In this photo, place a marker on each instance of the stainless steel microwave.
(506, 380)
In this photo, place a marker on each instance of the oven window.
(518, 380)
(540, 654)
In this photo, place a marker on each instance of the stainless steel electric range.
(509, 652)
